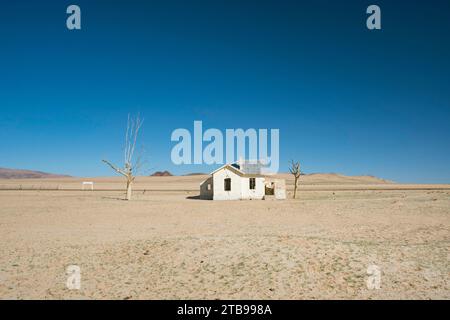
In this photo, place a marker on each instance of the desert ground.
(168, 244)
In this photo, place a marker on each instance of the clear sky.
(345, 99)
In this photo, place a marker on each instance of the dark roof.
(237, 166)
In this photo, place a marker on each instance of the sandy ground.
(166, 244)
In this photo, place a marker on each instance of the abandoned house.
(241, 181)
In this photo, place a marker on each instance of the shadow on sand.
(114, 198)
(194, 198)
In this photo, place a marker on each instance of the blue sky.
(345, 99)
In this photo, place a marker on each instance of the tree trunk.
(129, 190)
(295, 186)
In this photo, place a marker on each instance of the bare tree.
(295, 170)
(131, 167)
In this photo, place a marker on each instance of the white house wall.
(257, 193)
(280, 193)
(219, 185)
(279, 186)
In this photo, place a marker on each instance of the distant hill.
(343, 178)
(196, 174)
(27, 174)
(334, 178)
(162, 174)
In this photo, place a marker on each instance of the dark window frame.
(252, 183)
(227, 184)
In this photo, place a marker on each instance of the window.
(252, 183)
(227, 186)
(209, 187)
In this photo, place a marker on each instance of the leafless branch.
(130, 169)
(115, 168)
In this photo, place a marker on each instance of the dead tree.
(131, 167)
(295, 171)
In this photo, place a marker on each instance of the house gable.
(234, 184)
(236, 171)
